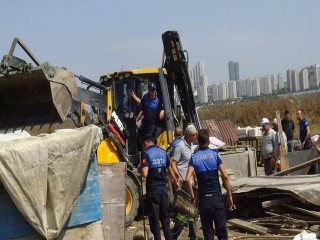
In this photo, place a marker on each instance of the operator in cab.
(153, 113)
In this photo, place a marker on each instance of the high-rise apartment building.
(304, 79)
(195, 77)
(249, 87)
(265, 85)
(289, 80)
(204, 80)
(295, 80)
(201, 68)
(232, 89)
(210, 93)
(222, 91)
(192, 80)
(203, 94)
(215, 91)
(280, 81)
(234, 74)
(314, 75)
(241, 88)
(255, 85)
(274, 83)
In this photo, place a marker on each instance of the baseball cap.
(191, 129)
(275, 121)
(264, 121)
(152, 85)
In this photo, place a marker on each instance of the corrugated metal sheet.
(87, 208)
(304, 187)
(223, 130)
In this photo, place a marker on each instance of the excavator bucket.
(33, 95)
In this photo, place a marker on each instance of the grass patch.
(250, 113)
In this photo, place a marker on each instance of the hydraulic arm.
(177, 67)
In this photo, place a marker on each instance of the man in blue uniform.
(305, 138)
(153, 112)
(154, 163)
(206, 163)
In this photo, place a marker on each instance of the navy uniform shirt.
(157, 161)
(173, 146)
(205, 163)
(151, 109)
(303, 130)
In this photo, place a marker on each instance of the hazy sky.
(94, 37)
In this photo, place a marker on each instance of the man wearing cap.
(152, 109)
(268, 146)
(179, 165)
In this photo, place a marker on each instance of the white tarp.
(44, 175)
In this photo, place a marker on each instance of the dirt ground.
(136, 228)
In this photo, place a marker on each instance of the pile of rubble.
(280, 218)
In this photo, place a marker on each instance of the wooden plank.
(290, 231)
(293, 223)
(276, 202)
(112, 179)
(284, 161)
(310, 213)
(298, 167)
(87, 231)
(248, 226)
(264, 237)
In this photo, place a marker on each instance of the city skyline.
(93, 42)
(259, 75)
(294, 80)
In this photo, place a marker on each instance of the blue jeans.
(212, 210)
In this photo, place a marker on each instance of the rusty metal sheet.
(303, 187)
(112, 179)
(223, 130)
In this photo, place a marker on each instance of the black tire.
(132, 200)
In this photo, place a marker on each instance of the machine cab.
(127, 109)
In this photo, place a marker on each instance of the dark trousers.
(179, 226)
(212, 210)
(145, 130)
(307, 145)
(290, 145)
(158, 208)
(268, 169)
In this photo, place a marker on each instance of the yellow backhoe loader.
(43, 98)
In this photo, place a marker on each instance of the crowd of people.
(189, 167)
(186, 168)
(271, 149)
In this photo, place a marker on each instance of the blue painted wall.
(87, 208)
